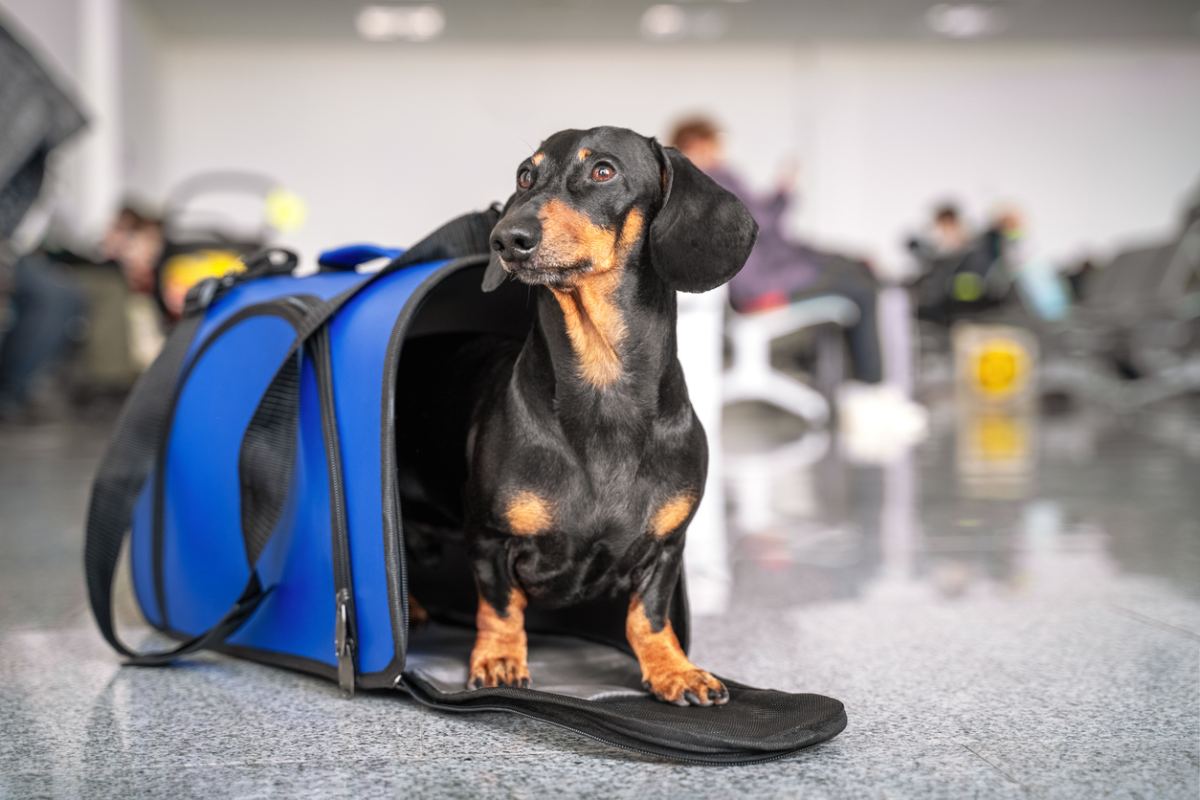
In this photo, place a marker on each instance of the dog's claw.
(499, 672)
(687, 687)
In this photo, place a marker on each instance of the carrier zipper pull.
(343, 643)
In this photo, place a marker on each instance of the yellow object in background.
(995, 363)
(1001, 367)
(183, 271)
(999, 437)
(997, 416)
(285, 210)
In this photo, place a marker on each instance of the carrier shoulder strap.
(123, 473)
(145, 420)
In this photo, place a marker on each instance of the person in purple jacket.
(780, 271)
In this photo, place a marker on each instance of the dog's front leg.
(666, 671)
(499, 657)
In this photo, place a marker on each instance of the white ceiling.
(521, 22)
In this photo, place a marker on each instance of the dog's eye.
(603, 171)
(525, 178)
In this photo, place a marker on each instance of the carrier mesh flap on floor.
(594, 689)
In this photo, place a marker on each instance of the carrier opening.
(458, 344)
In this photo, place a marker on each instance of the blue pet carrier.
(254, 469)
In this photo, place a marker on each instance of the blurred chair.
(750, 375)
(1141, 320)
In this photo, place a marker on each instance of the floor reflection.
(996, 503)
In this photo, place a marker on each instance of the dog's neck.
(610, 345)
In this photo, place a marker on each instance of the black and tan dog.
(585, 458)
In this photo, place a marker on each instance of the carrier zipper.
(345, 640)
(343, 643)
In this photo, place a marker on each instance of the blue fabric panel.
(360, 338)
(298, 617)
(204, 561)
(140, 555)
(237, 298)
(352, 255)
(324, 285)
(204, 557)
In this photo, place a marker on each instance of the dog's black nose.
(515, 241)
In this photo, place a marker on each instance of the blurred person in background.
(134, 242)
(781, 270)
(46, 313)
(961, 273)
(948, 234)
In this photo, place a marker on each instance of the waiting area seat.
(1139, 323)
(750, 375)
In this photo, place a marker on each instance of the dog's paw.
(687, 686)
(500, 670)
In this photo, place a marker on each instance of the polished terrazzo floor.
(1010, 610)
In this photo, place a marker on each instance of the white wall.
(1096, 145)
(141, 75)
(1093, 145)
(386, 143)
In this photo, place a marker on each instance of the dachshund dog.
(586, 461)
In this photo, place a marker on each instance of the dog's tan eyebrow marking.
(528, 514)
(671, 514)
(538, 158)
(583, 153)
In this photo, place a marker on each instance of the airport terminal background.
(993, 559)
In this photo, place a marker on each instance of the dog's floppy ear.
(495, 275)
(702, 234)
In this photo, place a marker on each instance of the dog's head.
(591, 202)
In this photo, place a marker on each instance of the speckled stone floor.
(1011, 610)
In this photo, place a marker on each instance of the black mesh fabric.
(755, 725)
(594, 689)
(267, 458)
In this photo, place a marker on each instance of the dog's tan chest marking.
(528, 514)
(593, 321)
(671, 514)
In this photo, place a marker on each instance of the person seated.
(781, 271)
(46, 310)
(962, 273)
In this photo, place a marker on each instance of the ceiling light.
(964, 20)
(663, 21)
(667, 21)
(403, 23)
